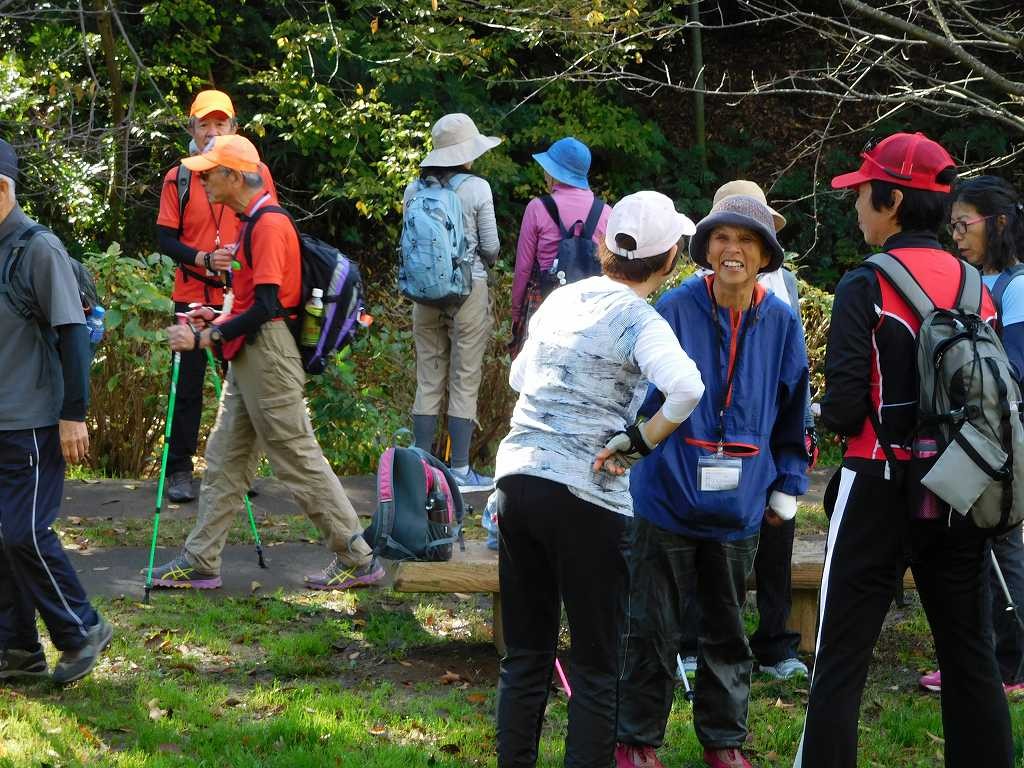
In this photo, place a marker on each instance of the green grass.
(363, 679)
(810, 518)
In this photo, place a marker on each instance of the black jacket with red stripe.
(871, 358)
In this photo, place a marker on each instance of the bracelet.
(636, 437)
(206, 258)
(196, 336)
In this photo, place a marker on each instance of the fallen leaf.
(74, 520)
(451, 749)
(936, 739)
(254, 586)
(450, 677)
(476, 698)
(130, 487)
(405, 663)
(232, 701)
(378, 730)
(90, 482)
(102, 568)
(353, 656)
(172, 748)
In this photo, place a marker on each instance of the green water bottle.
(311, 319)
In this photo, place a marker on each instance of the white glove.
(783, 505)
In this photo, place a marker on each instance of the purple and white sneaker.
(181, 574)
(337, 575)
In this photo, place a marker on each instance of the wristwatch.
(216, 336)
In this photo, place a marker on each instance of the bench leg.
(499, 629)
(804, 618)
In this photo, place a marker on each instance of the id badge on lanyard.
(719, 472)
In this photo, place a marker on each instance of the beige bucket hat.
(456, 141)
(749, 189)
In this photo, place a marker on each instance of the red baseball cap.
(907, 159)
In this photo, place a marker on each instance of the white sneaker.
(472, 481)
(785, 669)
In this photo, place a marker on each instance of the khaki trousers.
(450, 348)
(263, 406)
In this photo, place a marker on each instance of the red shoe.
(726, 758)
(1013, 689)
(634, 756)
(931, 681)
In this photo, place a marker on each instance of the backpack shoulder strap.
(184, 185)
(456, 180)
(969, 296)
(792, 289)
(904, 282)
(552, 208)
(21, 241)
(596, 209)
(1003, 282)
(251, 223)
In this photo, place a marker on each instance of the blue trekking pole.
(248, 504)
(175, 368)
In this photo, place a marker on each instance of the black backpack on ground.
(577, 251)
(419, 508)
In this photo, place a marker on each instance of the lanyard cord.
(216, 223)
(734, 363)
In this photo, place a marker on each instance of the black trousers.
(665, 569)
(773, 570)
(870, 543)
(188, 407)
(35, 573)
(558, 549)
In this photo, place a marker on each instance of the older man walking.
(263, 401)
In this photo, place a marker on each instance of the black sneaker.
(15, 662)
(74, 665)
(179, 487)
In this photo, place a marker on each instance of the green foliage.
(130, 371)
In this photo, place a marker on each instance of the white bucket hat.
(456, 141)
(750, 189)
(653, 222)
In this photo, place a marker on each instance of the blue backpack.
(577, 253)
(434, 267)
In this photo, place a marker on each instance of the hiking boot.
(472, 481)
(179, 487)
(76, 664)
(15, 662)
(726, 758)
(635, 756)
(685, 665)
(785, 669)
(932, 681)
(337, 575)
(181, 574)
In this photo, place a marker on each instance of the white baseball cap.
(651, 219)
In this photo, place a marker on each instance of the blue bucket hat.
(567, 161)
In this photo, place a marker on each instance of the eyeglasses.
(204, 175)
(959, 228)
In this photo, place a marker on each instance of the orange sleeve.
(169, 216)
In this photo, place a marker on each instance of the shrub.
(129, 374)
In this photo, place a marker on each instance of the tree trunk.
(117, 115)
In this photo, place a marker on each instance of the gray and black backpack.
(968, 408)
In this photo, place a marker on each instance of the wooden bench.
(476, 570)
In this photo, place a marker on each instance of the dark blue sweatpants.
(35, 574)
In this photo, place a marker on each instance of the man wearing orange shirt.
(194, 232)
(263, 403)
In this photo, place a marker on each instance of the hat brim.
(560, 172)
(198, 163)
(461, 153)
(848, 180)
(699, 243)
(778, 218)
(210, 111)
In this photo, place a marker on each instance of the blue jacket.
(766, 412)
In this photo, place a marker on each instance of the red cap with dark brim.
(908, 159)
